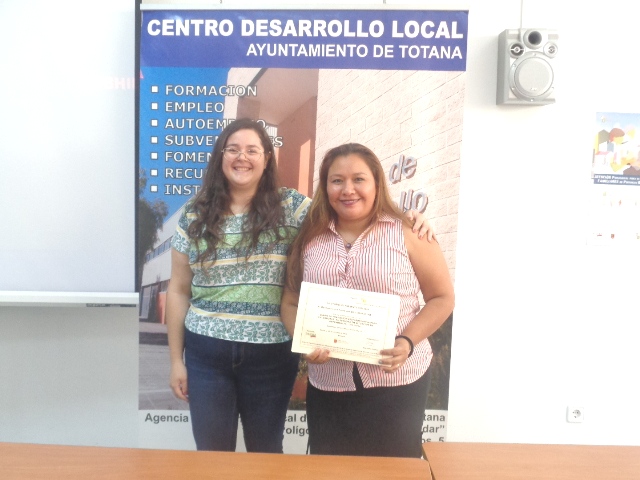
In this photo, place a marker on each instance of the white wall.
(541, 321)
(69, 375)
(67, 188)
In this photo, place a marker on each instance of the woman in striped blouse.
(355, 237)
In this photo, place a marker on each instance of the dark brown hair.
(213, 201)
(321, 212)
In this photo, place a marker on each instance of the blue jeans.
(227, 379)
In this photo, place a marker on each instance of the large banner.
(392, 80)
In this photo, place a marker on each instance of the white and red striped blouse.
(378, 261)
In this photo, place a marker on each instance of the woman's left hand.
(396, 356)
(421, 225)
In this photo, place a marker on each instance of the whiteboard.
(67, 151)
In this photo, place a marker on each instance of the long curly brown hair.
(321, 212)
(212, 202)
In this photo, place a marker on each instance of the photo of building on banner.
(392, 80)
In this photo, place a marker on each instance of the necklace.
(347, 245)
(352, 238)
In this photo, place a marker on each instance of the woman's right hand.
(318, 356)
(178, 381)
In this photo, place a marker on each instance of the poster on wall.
(391, 79)
(615, 175)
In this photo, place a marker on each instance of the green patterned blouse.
(238, 298)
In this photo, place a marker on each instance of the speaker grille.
(532, 77)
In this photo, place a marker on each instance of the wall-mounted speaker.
(525, 66)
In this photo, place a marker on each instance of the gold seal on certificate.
(352, 324)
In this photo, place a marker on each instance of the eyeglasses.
(234, 153)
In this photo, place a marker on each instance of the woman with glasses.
(230, 353)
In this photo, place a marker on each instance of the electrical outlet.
(575, 414)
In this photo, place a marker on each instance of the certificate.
(352, 324)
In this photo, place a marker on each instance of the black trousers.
(380, 422)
